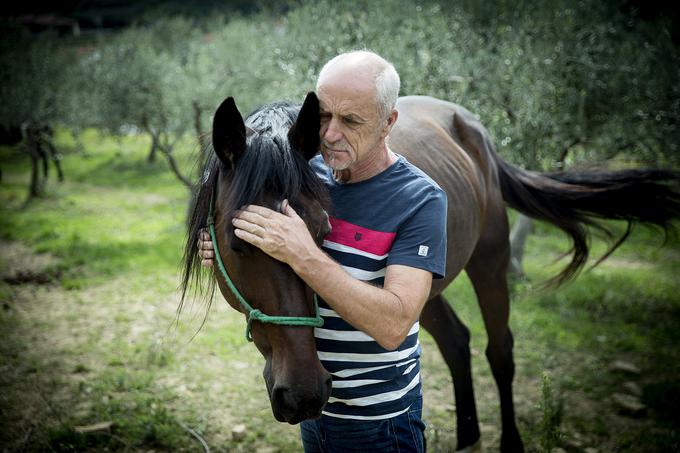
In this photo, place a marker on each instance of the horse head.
(263, 160)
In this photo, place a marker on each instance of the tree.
(31, 83)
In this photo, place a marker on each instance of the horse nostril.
(294, 407)
(329, 385)
(282, 398)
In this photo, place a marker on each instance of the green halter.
(253, 313)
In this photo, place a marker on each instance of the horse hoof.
(474, 448)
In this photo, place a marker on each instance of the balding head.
(368, 67)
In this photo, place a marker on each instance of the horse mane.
(268, 165)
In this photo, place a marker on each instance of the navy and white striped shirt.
(395, 217)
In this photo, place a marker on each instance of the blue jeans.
(401, 434)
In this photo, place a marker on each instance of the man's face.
(351, 128)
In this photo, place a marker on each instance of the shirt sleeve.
(421, 238)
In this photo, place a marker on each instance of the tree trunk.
(31, 145)
(34, 185)
(56, 159)
(201, 136)
(518, 238)
(154, 148)
(167, 151)
(44, 159)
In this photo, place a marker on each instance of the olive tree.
(31, 83)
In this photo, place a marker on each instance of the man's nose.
(332, 133)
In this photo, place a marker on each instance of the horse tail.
(576, 200)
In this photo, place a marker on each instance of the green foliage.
(32, 77)
(557, 83)
(551, 407)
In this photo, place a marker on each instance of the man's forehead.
(343, 95)
(359, 105)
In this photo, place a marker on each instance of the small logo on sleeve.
(423, 249)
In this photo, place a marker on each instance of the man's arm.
(386, 314)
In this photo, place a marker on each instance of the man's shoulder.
(416, 179)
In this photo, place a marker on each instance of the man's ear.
(229, 133)
(391, 120)
(304, 134)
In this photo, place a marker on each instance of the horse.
(262, 160)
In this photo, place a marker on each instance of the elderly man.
(375, 269)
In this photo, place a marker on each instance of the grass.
(98, 342)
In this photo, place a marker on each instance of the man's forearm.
(375, 311)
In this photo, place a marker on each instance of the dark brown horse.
(450, 145)
(264, 161)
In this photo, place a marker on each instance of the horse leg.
(487, 270)
(453, 340)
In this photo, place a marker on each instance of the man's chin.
(336, 164)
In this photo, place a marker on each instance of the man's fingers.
(259, 210)
(206, 254)
(205, 245)
(288, 210)
(244, 224)
(248, 216)
(248, 237)
(254, 216)
(205, 248)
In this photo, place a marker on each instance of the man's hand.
(205, 248)
(281, 235)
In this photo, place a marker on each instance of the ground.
(113, 352)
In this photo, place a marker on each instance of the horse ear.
(229, 133)
(304, 134)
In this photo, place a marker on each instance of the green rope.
(253, 313)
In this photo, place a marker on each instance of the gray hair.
(387, 80)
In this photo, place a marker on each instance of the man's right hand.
(205, 248)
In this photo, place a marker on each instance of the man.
(375, 270)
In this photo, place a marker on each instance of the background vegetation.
(89, 265)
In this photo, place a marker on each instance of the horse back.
(450, 145)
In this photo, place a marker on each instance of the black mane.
(269, 165)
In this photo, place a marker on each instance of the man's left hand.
(282, 235)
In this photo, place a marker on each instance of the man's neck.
(372, 165)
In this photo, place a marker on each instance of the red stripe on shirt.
(346, 233)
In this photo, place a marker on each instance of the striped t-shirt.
(395, 217)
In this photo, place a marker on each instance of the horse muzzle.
(293, 404)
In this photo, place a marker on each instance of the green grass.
(100, 343)
(114, 213)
